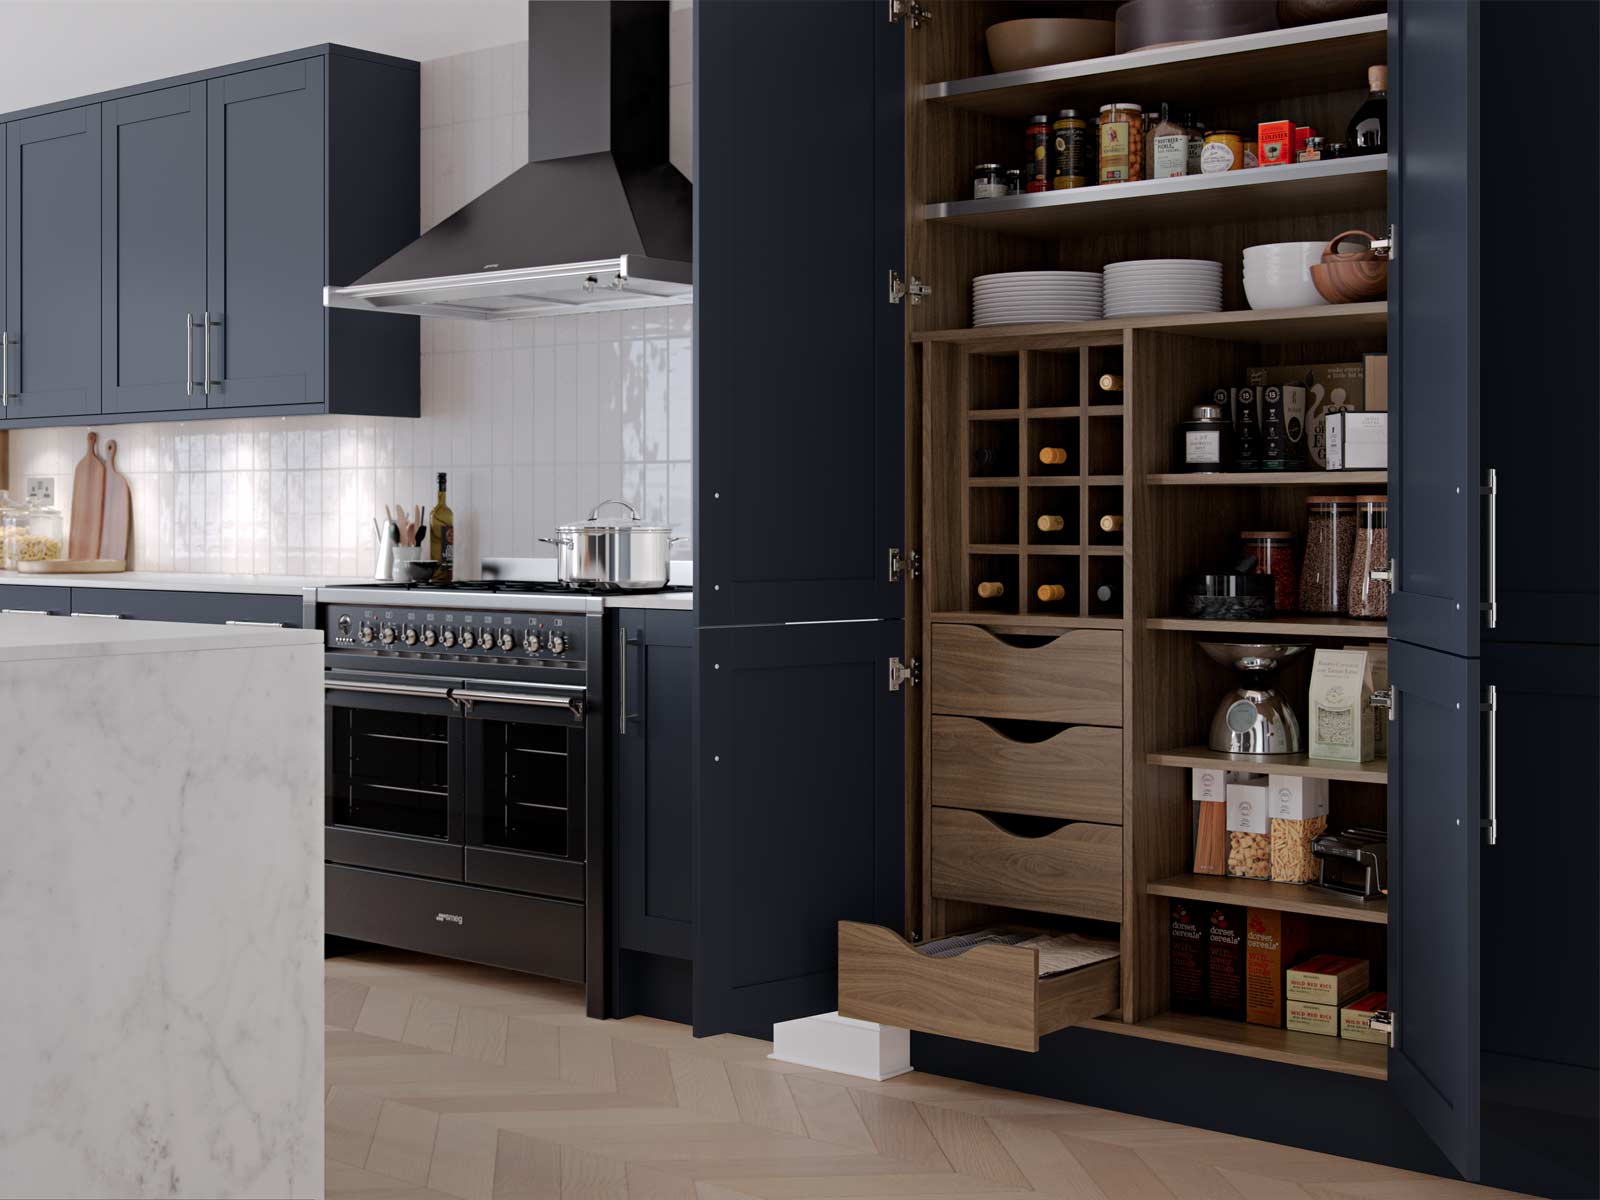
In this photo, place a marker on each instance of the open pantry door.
(1435, 499)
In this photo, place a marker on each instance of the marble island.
(160, 909)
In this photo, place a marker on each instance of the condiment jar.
(1273, 550)
(1167, 146)
(1069, 162)
(987, 181)
(1369, 597)
(1205, 441)
(1330, 544)
(1223, 151)
(1196, 129)
(1036, 168)
(1121, 137)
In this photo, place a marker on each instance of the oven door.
(527, 782)
(396, 773)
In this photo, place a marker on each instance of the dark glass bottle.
(1369, 128)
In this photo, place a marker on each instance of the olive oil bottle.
(442, 537)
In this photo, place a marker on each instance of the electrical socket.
(43, 489)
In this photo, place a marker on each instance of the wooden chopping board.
(116, 521)
(88, 504)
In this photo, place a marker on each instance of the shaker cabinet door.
(154, 278)
(266, 253)
(53, 264)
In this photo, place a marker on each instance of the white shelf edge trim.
(829, 1042)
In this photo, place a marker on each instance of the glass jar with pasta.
(33, 534)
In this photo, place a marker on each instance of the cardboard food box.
(1375, 368)
(1274, 143)
(1312, 1018)
(1328, 387)
(1355, 1019)
(1356, 441)
(1340, 699)
(1246, 427)
(1273, 940)
(1225, 988)
(1187, 954)
(1328, 979)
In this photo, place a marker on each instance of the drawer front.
(25, 597)
(1075, 773)
(1075, 870)
(1075, 677)
(201, 608)
(990, 994)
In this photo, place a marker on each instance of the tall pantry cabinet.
(850, 683)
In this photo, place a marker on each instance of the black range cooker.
(465, 781)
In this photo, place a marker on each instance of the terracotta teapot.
(1351, 276)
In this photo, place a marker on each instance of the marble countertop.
(177, 581)
(25, 637)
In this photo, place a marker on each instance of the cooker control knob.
(508, 640)
(448, 636)
(429, 635)
(344, 625)
(558, 643)
(409, 635)
(468, 638)
(368, 631)
(387, 634)
(530, 641)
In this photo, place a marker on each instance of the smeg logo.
(449, 918)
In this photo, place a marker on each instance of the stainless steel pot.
(625, 555)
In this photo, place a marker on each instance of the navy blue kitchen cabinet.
(191, 254)
(200, 608)
(52, 275)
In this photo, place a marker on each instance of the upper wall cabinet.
(166, 246)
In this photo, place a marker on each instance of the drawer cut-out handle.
(1020, 825)
(1026, 733)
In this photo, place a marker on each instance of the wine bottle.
(990, 590)
(983, 460)
(1110, 382)
(442, 537)
(1369, 128)
(1051, 523)
(1105, 593)
(1111, 523)
(1052, 456)
(1051, 592)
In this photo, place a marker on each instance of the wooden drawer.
(1075, 870)
(1075, 677)
(990, 994)
(1074, 773)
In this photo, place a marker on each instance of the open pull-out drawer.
(1074, 773)
(1073, 869)
(990, 994)
(1074, 677)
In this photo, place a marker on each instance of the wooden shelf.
(1001, 480)
(1260, 893)
(1306, 189)
(1368, 1059)
(994, 414)
(1328, 479)
(1267, 326)
(1331, 56)
(1293, 626)
(1376, 771)
(1041, 621)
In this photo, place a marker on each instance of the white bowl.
(1284, 252)
(1278, 274)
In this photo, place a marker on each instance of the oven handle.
(388, 689)
(467, 697)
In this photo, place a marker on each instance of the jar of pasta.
(13, 523)
(1121, 142)
(35, 536)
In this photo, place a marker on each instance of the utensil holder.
(402, 557)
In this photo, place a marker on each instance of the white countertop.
(25, 637)
(681, 601)
(177, 581)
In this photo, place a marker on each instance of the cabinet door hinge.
(1388, 247)
(898, 289)
(900, 10)
(1388, 698)
(903, 564)
(1383, 1021)
(904, 673)
(1391, 576)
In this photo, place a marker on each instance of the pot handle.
(1331, 247)
(632, 511)
(557, 541)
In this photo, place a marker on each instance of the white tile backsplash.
(534, 421)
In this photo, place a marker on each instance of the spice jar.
(1223, 151)
(1196, 129)
(1330, 545)
(1121, 138)
(1167, 146)
(1069, 166)
(1369, 597)
(1273, 550)
(1250, 155)
(1205, 441)
(1014, 181)
(987, 181)
(1035, 172)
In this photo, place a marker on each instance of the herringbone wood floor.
(449, 1080)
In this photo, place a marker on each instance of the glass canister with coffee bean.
(1369, 597)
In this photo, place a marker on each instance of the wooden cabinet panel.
(1074, 676)
(1075, 773)
(990, 994)
(1075, 870)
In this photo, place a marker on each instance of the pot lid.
(596, 521)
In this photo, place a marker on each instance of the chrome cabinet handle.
(259, 624)
(1493, 706)
(188, 354)
(205, 342)
(1492, 490)
(386, 689)
(467, 697)
(29, 612)
(6, 394)
(622, 681)
(101, 616)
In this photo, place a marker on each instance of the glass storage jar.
(1330, 545)
(1273, 550)
(13, 523)
(1121, 138)
(1369, 597)
(36, 535)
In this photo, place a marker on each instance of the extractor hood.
(598, 219)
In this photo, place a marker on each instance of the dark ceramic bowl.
(422, 569)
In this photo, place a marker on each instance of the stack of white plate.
(1015, 297)
(1151, 286)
